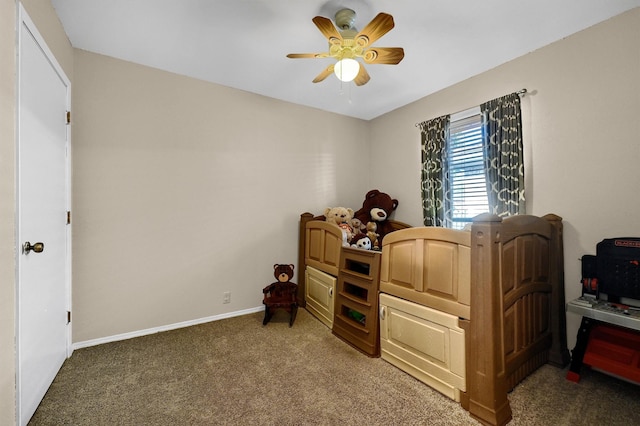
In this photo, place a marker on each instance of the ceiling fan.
(346, 44)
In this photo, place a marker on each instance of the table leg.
(577, 354)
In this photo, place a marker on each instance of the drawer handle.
(331, 292)
(382, 312)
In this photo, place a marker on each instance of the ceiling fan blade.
(327, 28)
(324, 74)
(363, 76)
(384, 55)
(379, 26)
(307, 55)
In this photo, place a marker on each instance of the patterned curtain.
(502, 137)
(435, 175)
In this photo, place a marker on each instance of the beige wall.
(581, 130)
(45, 19)
(184, 190)
(7, 206)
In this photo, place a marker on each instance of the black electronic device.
(590, 276)
(618, 269)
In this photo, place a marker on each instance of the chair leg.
(267, 315)
(294, 311)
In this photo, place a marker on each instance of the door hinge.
(68, 117)
(68, 217)
(68, 317)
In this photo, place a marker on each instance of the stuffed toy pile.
(366, 227)
(376, 209)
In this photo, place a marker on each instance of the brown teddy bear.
(283, 272)
(341, 216)
(373, 235)
(358, 226)
(377, 207)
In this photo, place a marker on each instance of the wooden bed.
(472, 313)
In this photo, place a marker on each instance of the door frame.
(23, 19)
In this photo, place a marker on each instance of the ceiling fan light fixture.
(346, 44)
(346, 69)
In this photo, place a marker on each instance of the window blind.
(466, 170)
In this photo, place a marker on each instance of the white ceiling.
(244, 43)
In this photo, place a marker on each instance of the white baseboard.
(139, 333)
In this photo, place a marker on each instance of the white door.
(43, 280)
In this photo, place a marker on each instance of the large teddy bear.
(377, 207)
(342, 217)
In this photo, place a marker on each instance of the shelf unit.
(356, 302)
(615, 350)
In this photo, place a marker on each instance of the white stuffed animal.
(361, 241)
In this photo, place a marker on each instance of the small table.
(608, 338)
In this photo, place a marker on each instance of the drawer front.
(424, 342)
(319, 293)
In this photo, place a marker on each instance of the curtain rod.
(520, 92)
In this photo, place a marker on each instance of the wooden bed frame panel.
(517, 316)
(322, 247)
(509, 298)
(429, 266)
(302, 246)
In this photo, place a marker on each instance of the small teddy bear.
(358, 226)
(341, 216)
(372, 227)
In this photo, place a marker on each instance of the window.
(472, 163)
(467, 180)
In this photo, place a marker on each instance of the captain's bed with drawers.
(470, 313)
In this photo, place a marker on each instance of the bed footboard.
(517, 316)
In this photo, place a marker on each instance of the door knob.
(37, 247)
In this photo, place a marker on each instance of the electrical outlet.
(226, 297)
